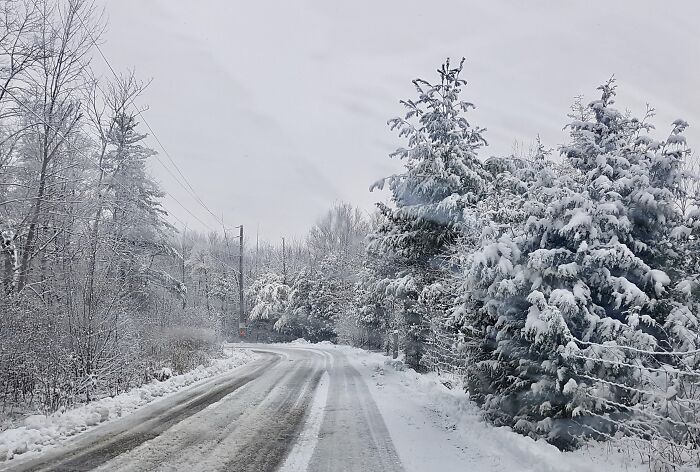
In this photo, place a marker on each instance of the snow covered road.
(294, 409)
(316, 408)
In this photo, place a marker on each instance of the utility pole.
(257, 250)
(184, 283)
(284, 263)
(241, 324)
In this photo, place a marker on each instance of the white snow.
(40, 431)
(660, 280)
(580, 218)
(423, 415)
(570, 387)
(420, 412)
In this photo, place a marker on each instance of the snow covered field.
(40, 432)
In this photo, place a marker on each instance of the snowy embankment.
(40, 431)
(437, 428)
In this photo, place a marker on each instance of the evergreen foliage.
(443, 177)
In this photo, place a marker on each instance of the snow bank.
(40, 431)
(422, 414)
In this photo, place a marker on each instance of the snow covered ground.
(296, 407)
(40, 432)
(423, 415)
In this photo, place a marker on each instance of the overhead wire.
(84, 154)
(187, 185)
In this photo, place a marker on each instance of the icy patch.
(41, 431)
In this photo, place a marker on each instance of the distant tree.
(342, 232)
(269, 296)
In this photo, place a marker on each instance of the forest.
(557, 285)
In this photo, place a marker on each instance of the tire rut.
(274, 439)
(112, 446)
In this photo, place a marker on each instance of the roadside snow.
(423, 415)
(40, 431)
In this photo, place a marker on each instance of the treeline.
(562, 286)
(565, 283)
(313, 293)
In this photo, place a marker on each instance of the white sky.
(276, 109)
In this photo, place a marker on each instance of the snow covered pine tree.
(443, 176)
(575, 300)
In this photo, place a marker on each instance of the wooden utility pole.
(284, 262)
(241, 324)
(183, 257)
(257, 250)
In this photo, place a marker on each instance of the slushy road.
(297, 408)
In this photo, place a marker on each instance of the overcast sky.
(276, 109)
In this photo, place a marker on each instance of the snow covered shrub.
(35, 363)
(184, 347)
(349, 329)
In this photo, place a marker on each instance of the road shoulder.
(422, 414)
(41, 434)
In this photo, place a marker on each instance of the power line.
(67, 142)
(131, 102)
(169, 171)
(191, 189)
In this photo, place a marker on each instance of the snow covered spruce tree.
(569, 306)
(375, 306)
(372, 307)
(490, 256)
(443, 176)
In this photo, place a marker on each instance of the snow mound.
(300, 341)
(40, 431)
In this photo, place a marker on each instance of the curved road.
(295, 409)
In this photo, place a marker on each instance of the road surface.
(294, 409)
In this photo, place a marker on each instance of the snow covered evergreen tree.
(559, 303)
(443, 176)
(372, 306)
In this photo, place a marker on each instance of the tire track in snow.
(300, 456)
(114, 445)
